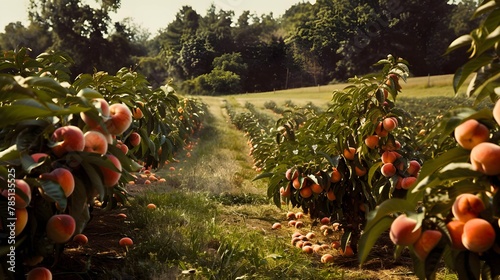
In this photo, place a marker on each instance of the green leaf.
(485, 7)
(391, 206)
(89, 93)
(9, 154)
(55, 192)
(369, 237)
(451, 172)
(464, 40)
(469, 68)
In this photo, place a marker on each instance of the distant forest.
(221, 53)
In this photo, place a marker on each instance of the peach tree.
(65, 144)
(343, 162)
(451, 213)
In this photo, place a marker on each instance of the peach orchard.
(67, 146)
(364, 165)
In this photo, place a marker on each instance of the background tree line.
(219, 53)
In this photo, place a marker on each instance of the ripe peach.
(291, 174)
(478, 236)
(39, 273)
(122, 216)
(348, 252)
(60, 228)
(290, 215)
(299, 224)
(292, 223)
(310, 235)
(306, 192)
(327, 258)
(111, 177)
(67, 139)
(285, 192)
(276, 226)
(349, 153)
(21, 220)
(372, 141)
(390, 124)
(360, 171)
(120, 118)
(467, 206)
(408, 182)
(135, 139)
(388, 157)
(102, 106)
(380, 131)
(95, 142)
(63, 177)
(336, 245)
(122, 147)
(151, 206)
(137, 113)
(470, 133)
(330, 195)
(22, 196)
(496, 112)
(485, 158)
(325, 220)
(316, 188)
(299, 215)
(413, 168)
(296, 183)
(37, 157)
(307, 249)
(403, 231)
(388, 170)
(336, 176)
(427, 241)
(456, 229)
(81, 239)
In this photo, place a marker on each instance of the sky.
(155, 14)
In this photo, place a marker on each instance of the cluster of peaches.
(306, 185)
(117, 118)
(468, 231)
(310, 242)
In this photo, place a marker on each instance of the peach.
(348, 252)
(310, 235)
(134, 139)
(478, 236)
(120, 118)
(349, 153)
(336, 245)
(388, 157)
(63, 177)
(456, 229)
(360, 171)
(60, 228)
(102, 107)
(485, 158)
(137, 113)
(413, 168)
(111, 177)
(380, 131)
(95, 142)
(122, 147)
(290, 215)
(285, 191)
(408, 182)
(22, 195)
(299, 215)
(403, 231)
(470, 133)
(276, 226)
(327, 258)
(496, 112)
(291, 174)
(336, 176)
(39, 273)
(372, 141)
(307, 249)
(316, 188)
(388, 170)
(306, 192)
(390, 124)
(427, 241)
(21, 220)
(81, 239)
(325, 220)
(296, 183)
(299, 224)
(151, 206)
(37, 157)
(330, 195)
(67, 139)
(467, 206)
